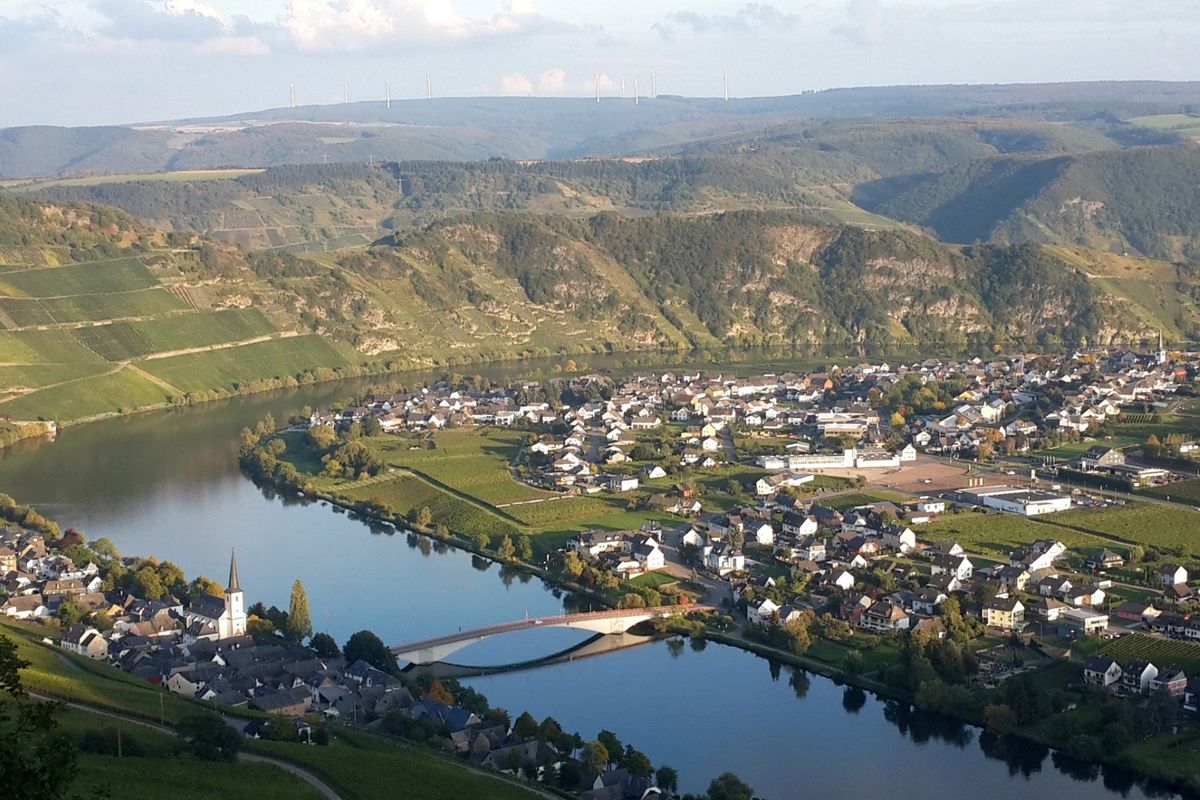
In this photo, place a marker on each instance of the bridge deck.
(552, 621)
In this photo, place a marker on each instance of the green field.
(1146, 523)
(38, 375)
(364, 767)
(1181, 491)
(1163, 652)
(999, 534)
(96, 277)
(130, 177)
(90, 307)
(405, 493)
(188, 778)
(472, 461)
(87, 398)
(126, 340)
(43, 347)
(232, 368)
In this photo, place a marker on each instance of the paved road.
(715, 591)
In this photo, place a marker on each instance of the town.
(801, 556)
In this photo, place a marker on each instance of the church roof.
(233, 576)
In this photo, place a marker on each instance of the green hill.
(1142, 199)
(99, 315)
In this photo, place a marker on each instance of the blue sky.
(108, 61)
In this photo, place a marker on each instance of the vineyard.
(1161, 652)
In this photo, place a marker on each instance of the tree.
(550, 731)
(438, 693)
(667, 779)
(202, 586)
(526, 726)
(1000, 718)
(36, 759)
(69, 613)
(799, 639)
(637, 763)
(321, 437)
(524, 547)
(299, 623)
(210, 738)
(595, 757)
(442, 531)
(506, 550)
(324, 645)
(728, 786)
(612, 744)
(479, 540)
(147, 584)
(367, 646)
(424, 517)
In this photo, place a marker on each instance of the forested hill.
(1144, 199)
(539, 128)
(806, 167)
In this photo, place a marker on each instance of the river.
(168, 484)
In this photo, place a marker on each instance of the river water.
(168, 484)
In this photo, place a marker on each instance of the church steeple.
(233, 576)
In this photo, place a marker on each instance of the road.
(717, 594)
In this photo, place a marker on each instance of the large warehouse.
(1026, 502)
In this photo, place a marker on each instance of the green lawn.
(96, 277)
(125, 340)
(100, 395)
(234, 367)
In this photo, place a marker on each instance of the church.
(213, 617)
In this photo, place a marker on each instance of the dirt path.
(159, 382)
(112, 371)
(266, 337)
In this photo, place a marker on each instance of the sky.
(89, 62)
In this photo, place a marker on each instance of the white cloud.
(749, 18)
(234, 46)
(359, 25)
(553, 81)
(864, 22)
(515, 83)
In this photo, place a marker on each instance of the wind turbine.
(428, 87)
(387, 94)
(597, 87)
(292, 94)
(635, 91)
(725, 75)
(653, 85)
(346, 96)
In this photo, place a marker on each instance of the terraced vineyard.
(104, 337)
(1162, 652)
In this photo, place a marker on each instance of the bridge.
(431, 651)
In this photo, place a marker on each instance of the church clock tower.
(233, 621)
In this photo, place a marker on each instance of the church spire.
(233, 576)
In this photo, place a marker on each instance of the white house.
(1101, 671)
(762, 614)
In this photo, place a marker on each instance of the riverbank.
(1147, 763)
